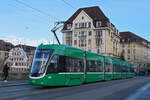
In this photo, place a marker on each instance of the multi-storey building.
(135, 50)
(18, 59)
(29, 50)
(89, 29)
(4, 52)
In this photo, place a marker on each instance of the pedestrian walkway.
(13, 83)
(141, 93)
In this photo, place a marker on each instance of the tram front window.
(40, 60)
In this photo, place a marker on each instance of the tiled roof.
(94, 12)
(5, 46)
(131, 37)
(27, 48)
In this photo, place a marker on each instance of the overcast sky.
(18, 21)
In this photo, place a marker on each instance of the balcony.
(82, 45)
(68, 38)
(82, 36)
(98, 36)
(98, 44)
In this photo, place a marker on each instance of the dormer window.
(98, 24)
(89, 24)
(69, 26)
(76, 25)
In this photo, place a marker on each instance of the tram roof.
(56, 46)
(93, 56)
(76, 52)
(116, 61)
(107, 59)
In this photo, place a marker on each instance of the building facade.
(89, 29)
(29, 50)
(135, 50)
(18, 60)
(4, 52)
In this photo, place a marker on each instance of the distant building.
(18, 59)
(89, 29)
(21, 57)
(4, 52)
(136, 50)
(29, 52)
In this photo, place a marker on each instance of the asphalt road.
(127, 89)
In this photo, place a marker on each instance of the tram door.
(62, 69)
(56, 70)
(74, 71)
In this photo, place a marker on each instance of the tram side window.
(74, 64)
(65, 64)
(94, 66)
(128, 69)
(123, 68)
(90, 66)
(132, 70)
(100, 65)
(78, 64)
(117, 68)
(62, 64)
(53, 65)
(108, 67)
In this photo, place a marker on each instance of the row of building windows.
(129, 45)
(129, 51)
(16, 54)
(83, 34)
(98, 42)
(16, 59)
(84, 25)
(82, 42)
(18, 64)
(134, 57)
(19, 69)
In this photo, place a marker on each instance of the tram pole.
(56, 27)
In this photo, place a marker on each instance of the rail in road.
(13, 83)
(141, 93)
(110, 90)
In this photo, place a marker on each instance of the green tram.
(62, 65)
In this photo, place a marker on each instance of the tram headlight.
(33, 81)
(49, 77)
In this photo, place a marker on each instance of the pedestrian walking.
(5, 72)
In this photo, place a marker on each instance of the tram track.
(58, 92)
